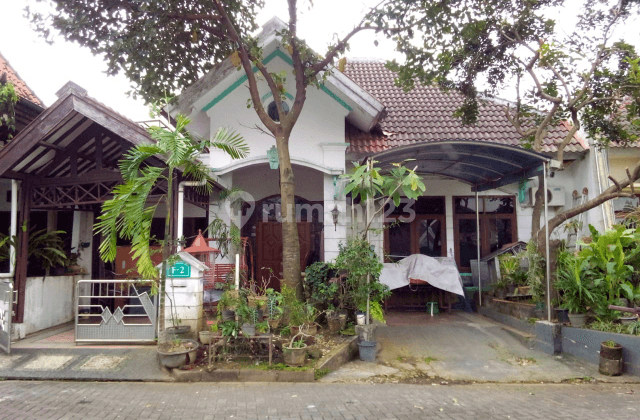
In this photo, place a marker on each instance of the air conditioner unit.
(555, 195)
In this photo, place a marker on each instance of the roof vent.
(70, 88)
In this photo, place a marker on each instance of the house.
(361, 113)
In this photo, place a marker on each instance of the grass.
(349, 331)
(532, 320)
(430, 359)
(280, 366)
(525, 360)
(319, 373)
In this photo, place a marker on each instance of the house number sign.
(179, 269)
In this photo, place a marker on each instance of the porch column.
(82, 239)
(23, 248)
(334, 198)
(333, 234)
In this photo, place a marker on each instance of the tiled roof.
(6, 71)
(426, 114)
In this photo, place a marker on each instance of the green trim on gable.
(269, 94)
(243, 78)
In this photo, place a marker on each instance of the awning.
(481, 164)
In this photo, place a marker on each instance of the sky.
(46, 68)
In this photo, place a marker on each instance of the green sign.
(179, 269)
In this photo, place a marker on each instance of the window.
(415, 227)
(272, 110)
(497, 216)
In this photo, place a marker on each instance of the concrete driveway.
(461, 347)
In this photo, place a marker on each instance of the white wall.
(49, 302)
(322, 121)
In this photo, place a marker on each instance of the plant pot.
(334, 324)
(578, 320)
(501, 293)
(343, 321)
(179, 332)
(294, 356)
(207, 337)
(309, 328)
(261, 303)
(179, 358)
(228, 315)
(252, 301)
(511, 289)
(273, 323)
(260, 314)
(367, 351)
(562, 315)
(610, 360)
(626, 320)
(248, 329)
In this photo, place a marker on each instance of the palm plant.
(127, 215)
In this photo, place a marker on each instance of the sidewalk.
(52, 354)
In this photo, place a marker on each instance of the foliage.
(563, 79)
(578, 292)
(230, 329)
(274, 304)
(376, 311)
(535, 273)
(44, 248)
(262, 327)
(319, 288)
(8, 99)
(214, 327)
(610, 343)
(227, 302)
(246, 314)
(367, 181)
(127, 214)
(606, 326)
(297, 344)
(166, 46)
(600, 274)
(362, 267)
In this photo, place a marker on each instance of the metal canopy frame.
(482, 164)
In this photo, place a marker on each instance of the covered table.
(422, 275)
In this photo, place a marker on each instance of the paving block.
(47, 362)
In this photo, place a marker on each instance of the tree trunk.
(290, 240)
(166, 250)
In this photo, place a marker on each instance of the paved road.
(111, 400)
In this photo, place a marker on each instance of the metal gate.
(115, 310)
(6, 312)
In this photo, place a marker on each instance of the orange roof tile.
(20, 86)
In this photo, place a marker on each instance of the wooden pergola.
(67, 159)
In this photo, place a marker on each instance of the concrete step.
(526, 339)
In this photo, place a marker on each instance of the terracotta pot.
(273, 323)
(610, 360)
(334, 324)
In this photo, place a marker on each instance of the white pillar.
(82, 239)
(333, 234)
(14, 224)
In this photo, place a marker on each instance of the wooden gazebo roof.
(70, 153)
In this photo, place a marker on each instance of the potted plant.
(303, 317)
(178, 353)
(274, 308)
(295, 353)
(610, 358)
(227, 305)
(333, 320)
(247, 317)
(229, 329)
(576, 289)
(206, 336)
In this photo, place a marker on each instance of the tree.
(164, 46)
(8, 100)
(129, 215)
(588, 77)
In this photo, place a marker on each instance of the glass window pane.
(399, 241)
(465, 205)
(468, 241)
(499, 205)
(430, 205)
(430, 237)
(500, 233)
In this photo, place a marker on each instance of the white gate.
(6, 312)
(115, 310)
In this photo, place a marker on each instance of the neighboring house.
(621, 158)
(29, 106)
(361, 113)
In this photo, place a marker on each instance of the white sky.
(46, 68)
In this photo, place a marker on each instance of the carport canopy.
(481, 164)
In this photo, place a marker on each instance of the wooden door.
(269, 244)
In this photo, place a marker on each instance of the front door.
(269, 244)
